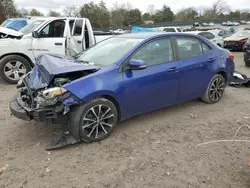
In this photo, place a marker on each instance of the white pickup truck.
(63, 36)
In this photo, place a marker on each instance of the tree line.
(122, 15)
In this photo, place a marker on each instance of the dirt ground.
(160, 149)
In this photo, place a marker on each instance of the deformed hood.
(232, 38)
(48, 66)
(10, 32)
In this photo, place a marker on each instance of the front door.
(78, 34)
(196, 61)
(51, 39)
(157, 85)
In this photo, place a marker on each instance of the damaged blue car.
(121, 77)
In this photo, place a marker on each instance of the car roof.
(147, 35)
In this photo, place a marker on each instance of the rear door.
(195, 65)
(52, 38)
(78, 34)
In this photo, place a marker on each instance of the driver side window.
(156, 52)
(53, 30)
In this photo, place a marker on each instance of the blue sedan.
(119, 78)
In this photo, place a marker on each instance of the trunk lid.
(49, 66)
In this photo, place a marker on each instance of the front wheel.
(215, 89)
(98, 118)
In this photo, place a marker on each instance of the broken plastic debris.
(246, 117)
(193, 115)
(168, 173)
(48, 170)
(3, 168)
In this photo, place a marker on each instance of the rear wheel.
(13, 67)
(215, 89)
(97, 120)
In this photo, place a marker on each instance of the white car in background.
(170, 29)
(210, 36)
(236, 23)
(119, 31)
(211, 24)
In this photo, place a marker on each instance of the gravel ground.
(160, 149)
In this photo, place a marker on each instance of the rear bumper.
(52, 114)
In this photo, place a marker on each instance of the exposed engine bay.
(41, 91)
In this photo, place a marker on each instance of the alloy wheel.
(98, 121)
(14, 70)
(216, 89)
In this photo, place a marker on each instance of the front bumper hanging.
(53, 114)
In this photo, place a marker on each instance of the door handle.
(79, 42)
(173, 69)
(58, 44)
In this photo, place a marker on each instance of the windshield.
(30, 27)
(241, 34)
(5, 23)
(108, 51)
(16, 24)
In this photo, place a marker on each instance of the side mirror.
(137, 64)
(35, 34)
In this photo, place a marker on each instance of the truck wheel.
(13, 67)
(215, 89)
(96, 120)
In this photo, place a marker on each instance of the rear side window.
(78, 28)
(169, 29)
(178, 29)
(190, 47)
(207, 35)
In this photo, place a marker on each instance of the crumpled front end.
(27, 107)
(41, 95)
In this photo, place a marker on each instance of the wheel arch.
(224, 74)
(109, 95)
(20, 54)
(115, 102)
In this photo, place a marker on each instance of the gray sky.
(58, 5)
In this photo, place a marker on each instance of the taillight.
(231, 56)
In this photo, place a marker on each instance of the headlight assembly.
(53, 92)
(49, 96)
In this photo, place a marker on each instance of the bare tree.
(187, 14)
(218, 7)
(71, 11)
(151, 9)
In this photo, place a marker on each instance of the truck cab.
(62, 36)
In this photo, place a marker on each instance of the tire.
(13, 67)
(215, 89)
(96, 127)
(247, 64)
